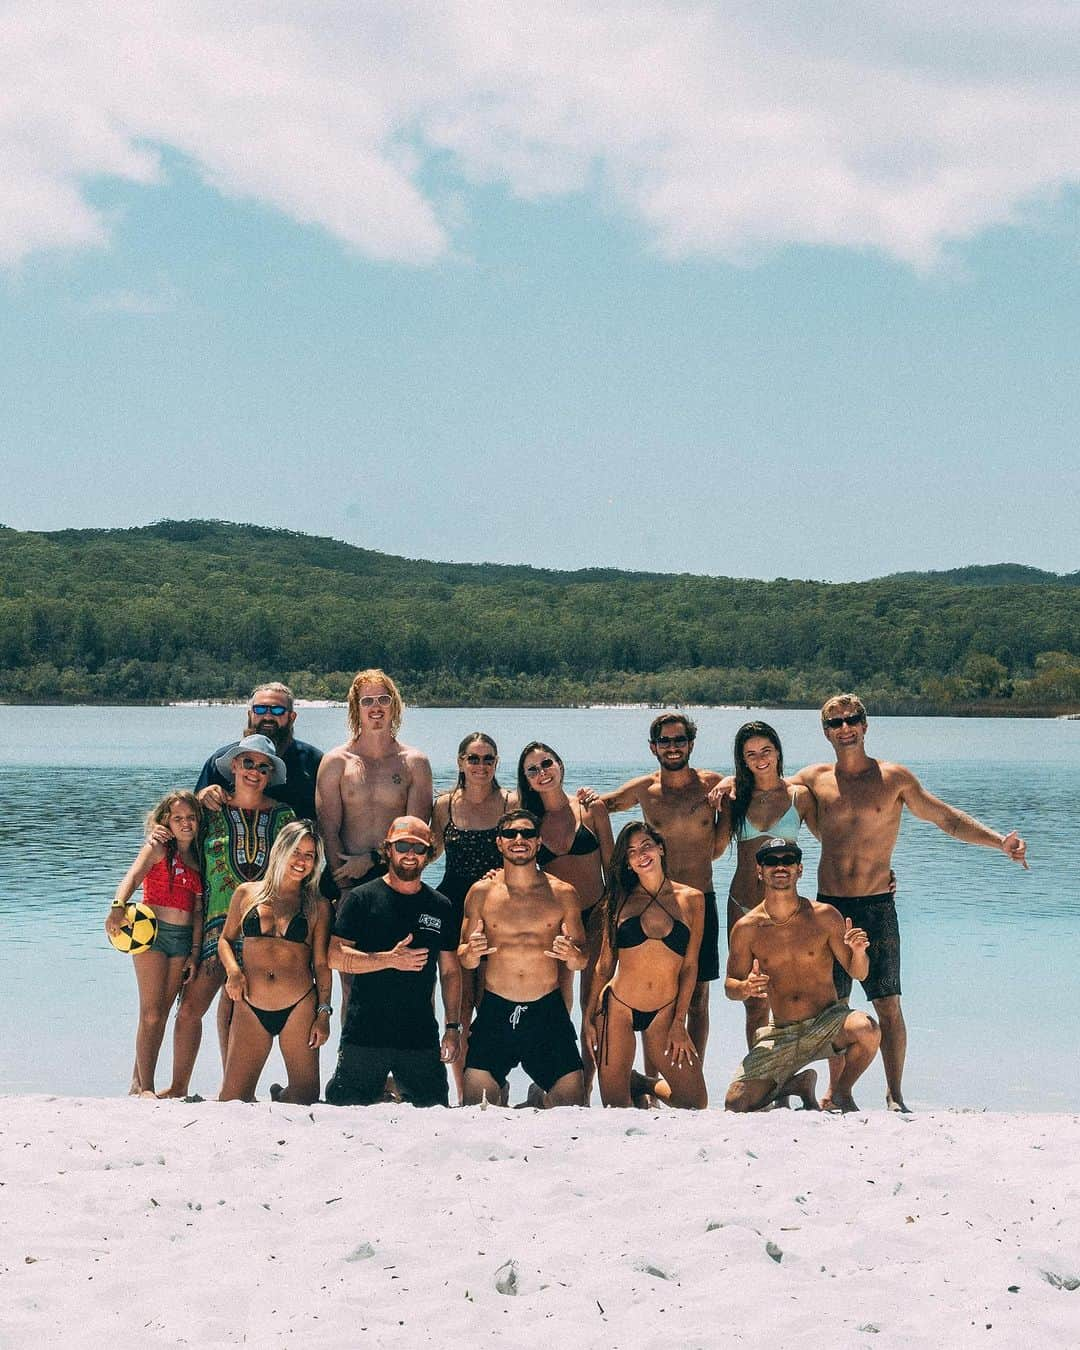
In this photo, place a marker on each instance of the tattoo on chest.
(396, 778)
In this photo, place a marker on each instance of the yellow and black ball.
(138, 931)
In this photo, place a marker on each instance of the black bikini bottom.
(274, 1019)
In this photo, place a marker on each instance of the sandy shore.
(128, 1223)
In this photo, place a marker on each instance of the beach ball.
(138, 931)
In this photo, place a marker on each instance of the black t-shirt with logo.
(394, 1007)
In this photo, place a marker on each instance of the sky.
(733, 289)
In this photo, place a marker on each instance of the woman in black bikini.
(283, 989)
(463, 824)
(575, 846)
(646, 973)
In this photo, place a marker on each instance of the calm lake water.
(991, 952)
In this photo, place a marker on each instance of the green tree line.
(202, 609)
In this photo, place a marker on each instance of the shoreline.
(391, 1226)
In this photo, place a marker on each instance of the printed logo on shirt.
(430, 921)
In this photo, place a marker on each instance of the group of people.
(285, 864)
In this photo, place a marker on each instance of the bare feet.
(803, 1086)
(147, 1094)
(167, 1094)
(897, 1104)
(647, 1092)
(838, 1104)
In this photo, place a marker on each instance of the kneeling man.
(783, 951)
(523, 923)
(392, 933)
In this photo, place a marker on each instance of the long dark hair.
(527, 794)
(622, 880)
(468, 740)
(744, 779)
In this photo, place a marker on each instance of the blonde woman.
(283, 989)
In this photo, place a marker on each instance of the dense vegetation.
(202, 609)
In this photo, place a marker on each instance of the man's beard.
(274, 730)
(392, 865)
(674, 766)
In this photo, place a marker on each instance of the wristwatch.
(324, 1008)
(453, 1026)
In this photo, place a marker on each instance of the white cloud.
(724, 129)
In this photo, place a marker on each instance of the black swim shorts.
(708, 966)
(538, 1035)
(877, 915)
(360, 1076)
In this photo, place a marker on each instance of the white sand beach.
(131, 1223)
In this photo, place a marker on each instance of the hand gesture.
(236, 985)
(404, 957)
(855, 938)
(213, 797)
(1014, 847)
(158, 836)
(757, 984)
(478, 946)
(320, 1031)
(450, 1046)
(681, 1051)
(718, 795)
(562, 949)
(353, 868)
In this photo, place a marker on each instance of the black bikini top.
(297, 930)
(584, 842)
(630, 933)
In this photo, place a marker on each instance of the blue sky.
(752, 290)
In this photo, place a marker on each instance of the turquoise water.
(991, 952)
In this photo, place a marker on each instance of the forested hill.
(202, 609)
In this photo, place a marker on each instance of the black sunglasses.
(261, 709)
(779, 860)
(519, 832)
(411, 846)
(256, 766)
(479, 759)
(534, 769)
(672, 740)
(848, 720)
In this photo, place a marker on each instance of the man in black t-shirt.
(391, 934)
(270, 712)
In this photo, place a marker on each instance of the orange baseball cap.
(409, 827)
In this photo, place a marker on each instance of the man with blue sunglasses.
(270, 713)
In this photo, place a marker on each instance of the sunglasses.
(779, 860)
(371, 700)
(277, 709)
(479, 759)
(673, 740)
(256, 766)
(534, 769)
(849, 720)
(410, 846)
(520, 832)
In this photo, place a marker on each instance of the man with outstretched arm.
(392, 934)
(675, 801)
(860, 801)
(523, 923)
(783, 951)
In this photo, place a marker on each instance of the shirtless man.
(783, 951)
(369, 781)
(524, 922)
(859, 804)
(675, 801)
(366, 784)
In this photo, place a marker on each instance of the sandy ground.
(131, 1223)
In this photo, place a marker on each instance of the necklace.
(779, 923)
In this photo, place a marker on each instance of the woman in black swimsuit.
(575, 846)
(463, 824)
(283, 989)
(645, 976)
